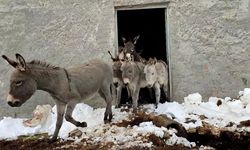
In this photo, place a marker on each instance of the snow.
(193, 99)
(148, 127)
(174, 139)
(11, 128)
(217, 111)
(245, 96)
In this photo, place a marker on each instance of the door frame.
(167, 27)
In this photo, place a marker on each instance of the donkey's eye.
(152, 73)
(18, 83)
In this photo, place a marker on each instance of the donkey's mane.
(43, 64)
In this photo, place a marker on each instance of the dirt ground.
(227, 141)
(206, 136)
(42, 143)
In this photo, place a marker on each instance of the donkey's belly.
(88, 91)
(162, 80)
(88, 96)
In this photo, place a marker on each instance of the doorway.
(150, 24)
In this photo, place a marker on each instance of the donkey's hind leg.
(105, 93)
(69, 118)
(165, 89)
(118, 96)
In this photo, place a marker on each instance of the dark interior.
(150, 25)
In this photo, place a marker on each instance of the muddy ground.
(43, 144)
(206, 136)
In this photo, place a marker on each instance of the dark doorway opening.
(150, 25)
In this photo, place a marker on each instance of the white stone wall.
(210, 47)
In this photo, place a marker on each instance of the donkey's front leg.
(157, 89)
(68, 116)
(60, 112)
(135, 97)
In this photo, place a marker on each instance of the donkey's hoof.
(107, 121)
(81, 124)
(52, 140)
(118, 106)
(134, 110)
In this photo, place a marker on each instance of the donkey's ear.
(11, 62)
(124, 40)
(120, 49)
(21, 62)
(136, 39)
(151, 61)
(155, 60)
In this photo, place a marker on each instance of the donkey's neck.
(49, 79)
(140, 67)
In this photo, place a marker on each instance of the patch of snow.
(149, 127)
(174, 139)
(193, 99)
(173, 109)
(216, 111)
(11, 128)
(245, 96)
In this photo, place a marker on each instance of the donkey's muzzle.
(15, 104)
(126, 81)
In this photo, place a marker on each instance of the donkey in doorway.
(134, 78)
(128, 52)
(117, 78)
(156, 72)
(67, 86)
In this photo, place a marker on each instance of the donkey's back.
(162, 72)
(89, 78)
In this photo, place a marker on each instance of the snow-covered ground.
(218, 112)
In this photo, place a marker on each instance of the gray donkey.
(117, 78)
(157, 76)
(67, 87)
(134, 78)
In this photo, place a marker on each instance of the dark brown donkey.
(67, 87)
(128, 52)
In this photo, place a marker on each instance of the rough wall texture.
(63, 33)
(209, 41)
(210, 47)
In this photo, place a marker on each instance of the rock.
(245, 123)
(164, 121)
(75, 133)
(40, 115)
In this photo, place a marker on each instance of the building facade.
(207, 43)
